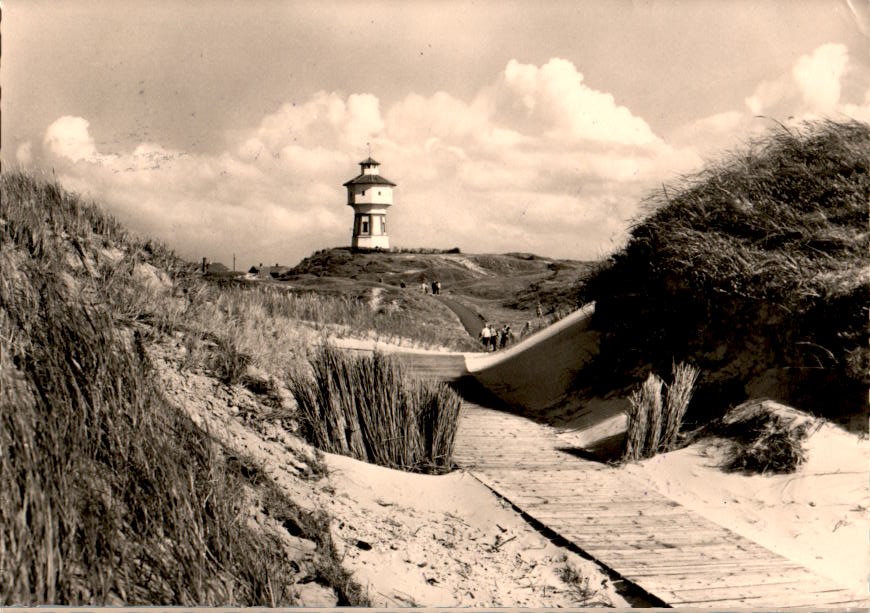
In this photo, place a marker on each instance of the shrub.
(367, 408)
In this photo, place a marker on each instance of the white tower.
(370, 195)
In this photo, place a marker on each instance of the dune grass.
(400, 319)
(654, 417)
(761, 440)
(757, 262)
(367, 408)
(108, 494)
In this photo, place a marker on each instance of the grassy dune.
(754, 270)
(109, 494)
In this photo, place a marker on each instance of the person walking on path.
(485, 335)
(438, 287)
(505, 337)
(539, 310)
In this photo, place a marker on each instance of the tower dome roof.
(369, 180)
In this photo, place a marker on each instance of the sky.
(228, 127)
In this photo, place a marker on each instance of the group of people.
(435, 287)
(493, 337)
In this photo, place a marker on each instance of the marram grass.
(654, 421)
(364, 406)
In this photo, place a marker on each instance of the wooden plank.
(796, 599)
(725, 569)
(850, 604)
(659, 530)
(604, 504)
(714, 552)
(640, 541)
(702, 578)
(783, 590)
(582, 468)
(628, 561)
(591, 515)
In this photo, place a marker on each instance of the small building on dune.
(266, 272)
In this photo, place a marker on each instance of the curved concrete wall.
(537, 373)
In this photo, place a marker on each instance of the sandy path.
(471, 320)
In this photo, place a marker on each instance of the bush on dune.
(758, 262)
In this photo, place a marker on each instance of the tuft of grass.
(756, 262)
(678, 396)
(578, 583)
(653, 421)
(643, 402)
(228, 362)
(366, 407)
(761, 441)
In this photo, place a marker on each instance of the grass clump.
(580, 587)
(757, 262)
(761, 440)
(654, 418)
(367, 408)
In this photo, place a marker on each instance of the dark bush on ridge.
(755, 266)
(365, 407)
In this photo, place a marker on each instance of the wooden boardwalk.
(627, 526)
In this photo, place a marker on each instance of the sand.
(449, 541)
(409, 539)
(817, 517)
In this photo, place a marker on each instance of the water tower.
(370, 195)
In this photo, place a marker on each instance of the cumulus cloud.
(818, 76)
(536, 160)
(68, 137)
(814, 87)
(556, 94)
(24, 154)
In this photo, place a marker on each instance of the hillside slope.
(513, 280)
